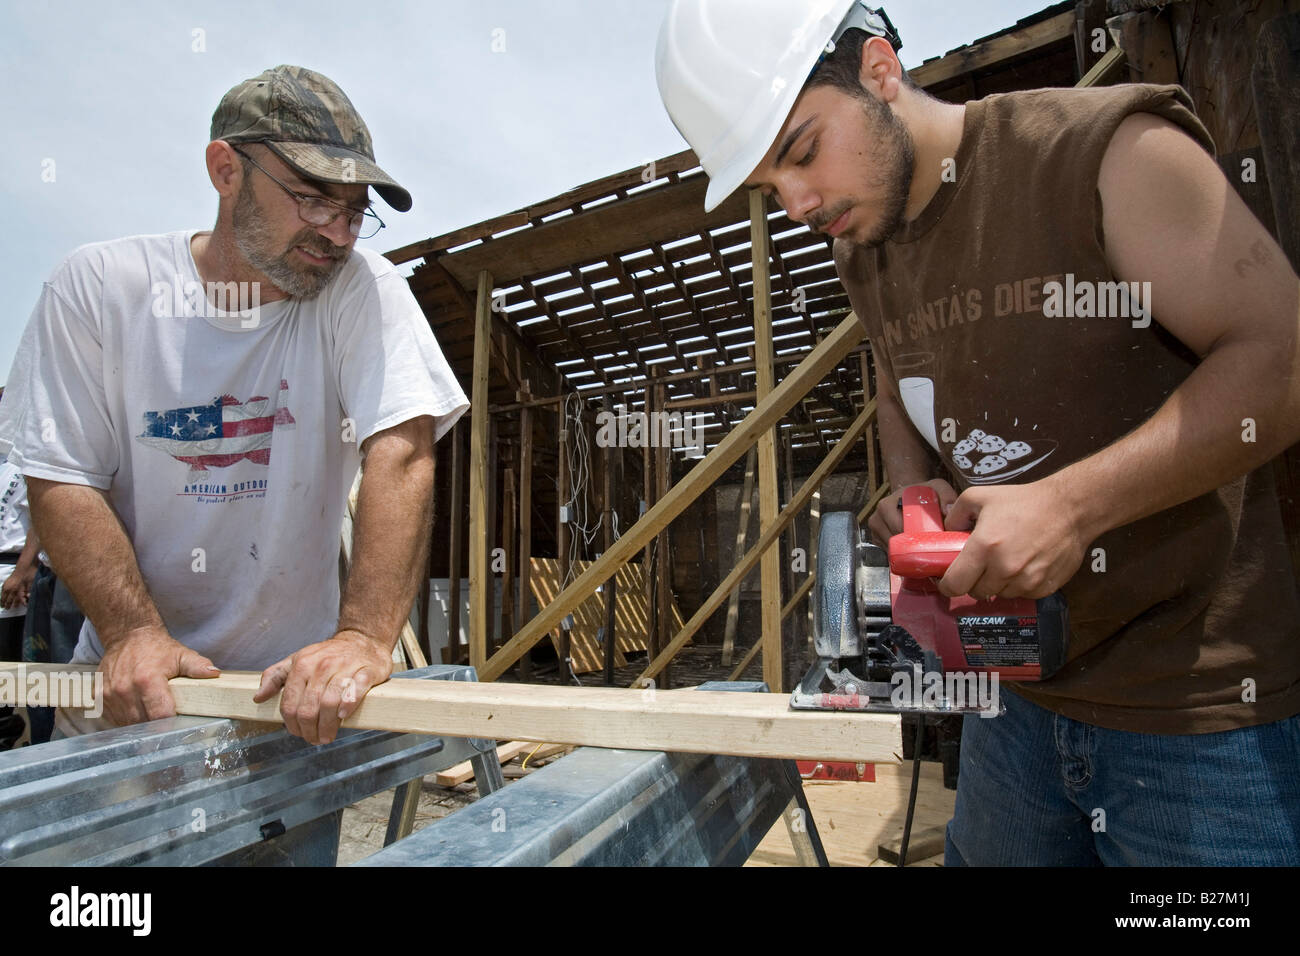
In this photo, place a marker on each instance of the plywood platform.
(853, 819)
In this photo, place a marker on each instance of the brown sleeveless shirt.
(1195, 610)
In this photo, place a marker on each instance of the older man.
(192, 408)
(983, 246)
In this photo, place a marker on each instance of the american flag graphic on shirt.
(220, 433)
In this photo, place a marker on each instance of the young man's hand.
(1025, 542)
(136, 667)
(324, 683)
(887, 520)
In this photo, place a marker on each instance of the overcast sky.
(119, 96)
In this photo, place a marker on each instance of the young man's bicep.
(1172, 219)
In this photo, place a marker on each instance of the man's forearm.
(1195, 442)
(908, 459)
(390, 534)
(90, 552)
(27, 557)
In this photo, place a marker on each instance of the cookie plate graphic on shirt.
(984, 458)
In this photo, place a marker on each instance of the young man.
(1111, 443)
(192, 408)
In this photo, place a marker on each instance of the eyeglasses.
(318, 211)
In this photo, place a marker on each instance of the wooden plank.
(811, 370)
(609, 510)
(854, 818)
(789, 540)
(658, 215)
(742, 530)
(920, 845)
(508, 596)
(874, 500)
(464, 772)
(525, 521)
(673, 377)
(790, 605)
(1105, 70)
(451, 653)
(1148, 41)
(765, 541)
(686, 721)
(595, 189)
(770, 594)
(648, 497)
(479, 579)
(978, 56)
(1089, 16)
(545, 751)
(663, 571)
(562, 536)
(493, 499)
(1275, 76)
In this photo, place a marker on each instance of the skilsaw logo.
(936, 690)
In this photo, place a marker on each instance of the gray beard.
(253, 239)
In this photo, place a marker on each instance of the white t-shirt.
(13, 502)
(13, 524)
(227, 441)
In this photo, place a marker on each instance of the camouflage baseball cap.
(306, 120)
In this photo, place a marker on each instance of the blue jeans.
(53, 626)
(1039, 789)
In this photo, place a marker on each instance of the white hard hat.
(729, 72)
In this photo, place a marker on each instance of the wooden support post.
(790, 541)
(480, 582)
(825, 357)
(562, 540)
(493, 522)
(765, 541)
(1148, 40)
(873, 476)
(767, 504)
(664, 562)
(511, 555)
(648, 496)
(874, 500)
(814, 536)
(451, 654)
(525, 523)
(742, 531)
(1274, 80)
(610, 486)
